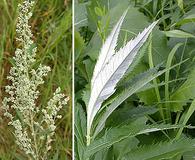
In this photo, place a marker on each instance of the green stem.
(167, 73)
(34, 137)
(155, 81)
(177, 117)
(186, 118)
(88, 137)
(162, 12)
(7, 9)
(182, 55)
(153, 121)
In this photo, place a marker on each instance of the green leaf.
(134, 22)
(85, 96)
(89, 66)
(189, 155)
(80, 132)
(180, 3)
(178, 34)
(136, 84)
(168, 65)
(105, 154)
(163, 150)
(119, 133)
(79, 46)
(105, 6)
(80, 17)
(186, 118)
(184, 93)
(188, 19)
(148, 96)
(167, 75)
(125, 146)
(128, 112)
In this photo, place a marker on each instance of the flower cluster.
(21, 104)
(51, 114)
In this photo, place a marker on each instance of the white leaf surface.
(111, 66)
(108, 49)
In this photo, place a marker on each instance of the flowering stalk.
(33, 127)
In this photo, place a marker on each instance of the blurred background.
(51, 26)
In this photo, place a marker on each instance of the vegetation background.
(172, 93)
(51, 26)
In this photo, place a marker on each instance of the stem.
(34, 137)
(162, 12)
(177, 117)
(168, 114)
(168, 65)
(88, 137)
(187, 117)
(5, 5)
(153, 121)
(177, 74)
(154, 81)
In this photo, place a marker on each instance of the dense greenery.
(51, 26)
(150, 122)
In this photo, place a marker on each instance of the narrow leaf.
(186, 118)
(168, 65)
(178, 34)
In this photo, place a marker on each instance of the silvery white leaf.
(111, 66)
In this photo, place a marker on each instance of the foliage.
(162, 78)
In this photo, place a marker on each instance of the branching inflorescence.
(33, 126)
